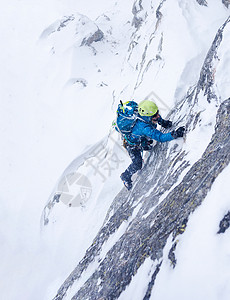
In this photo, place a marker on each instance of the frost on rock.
(226, 3)
(172, 256)
(94, 37)
(151, 41)
(205, 3)
(84, 29)
(202, 2)
(90, 31)
(207, 75)
(78, 81)
(137, 19)
(57, 26)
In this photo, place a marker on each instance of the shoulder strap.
(139, 118)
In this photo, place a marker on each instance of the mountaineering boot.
(127, 182)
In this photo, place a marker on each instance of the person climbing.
(137, 124)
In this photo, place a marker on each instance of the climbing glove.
(165, 123)
(178, 133)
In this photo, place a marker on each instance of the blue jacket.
(145, 128)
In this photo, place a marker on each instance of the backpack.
(126, 116)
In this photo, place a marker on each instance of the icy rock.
(57, 26)
(226, 3)
(89, 30)
(95, 37)
(137, 8)
(202, 2)
(224, 223)
(207, 75)
(151, 283)
(172, 256)
(205, 3)
(83, 28)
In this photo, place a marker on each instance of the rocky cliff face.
(167, 190)
(205, 3)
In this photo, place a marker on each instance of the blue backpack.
(126, 116)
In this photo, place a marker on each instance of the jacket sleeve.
(155, 134)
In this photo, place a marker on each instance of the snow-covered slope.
(59, 101)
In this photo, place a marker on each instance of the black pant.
(136, 157)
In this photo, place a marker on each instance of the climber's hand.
(167, 124)
(178, 133)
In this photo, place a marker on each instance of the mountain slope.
(174, 182)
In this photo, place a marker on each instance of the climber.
(137, 125)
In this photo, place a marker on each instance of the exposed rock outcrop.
(202, 2)
(97, 36)
(226, 3)
(137, 8)
(224, 223)
(205, 2)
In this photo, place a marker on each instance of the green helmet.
(147, 108)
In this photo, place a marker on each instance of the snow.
(203, 132)
(48, 118)
(222, 67)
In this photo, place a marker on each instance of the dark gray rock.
(172, 256)
(224, 223)
(57, 26)
(64, 22)
(226, 3)
(97, 36)
(205, 3)
(151, 283)
(136, 22)
(207, 75)
(137, 8)
(202, 2)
